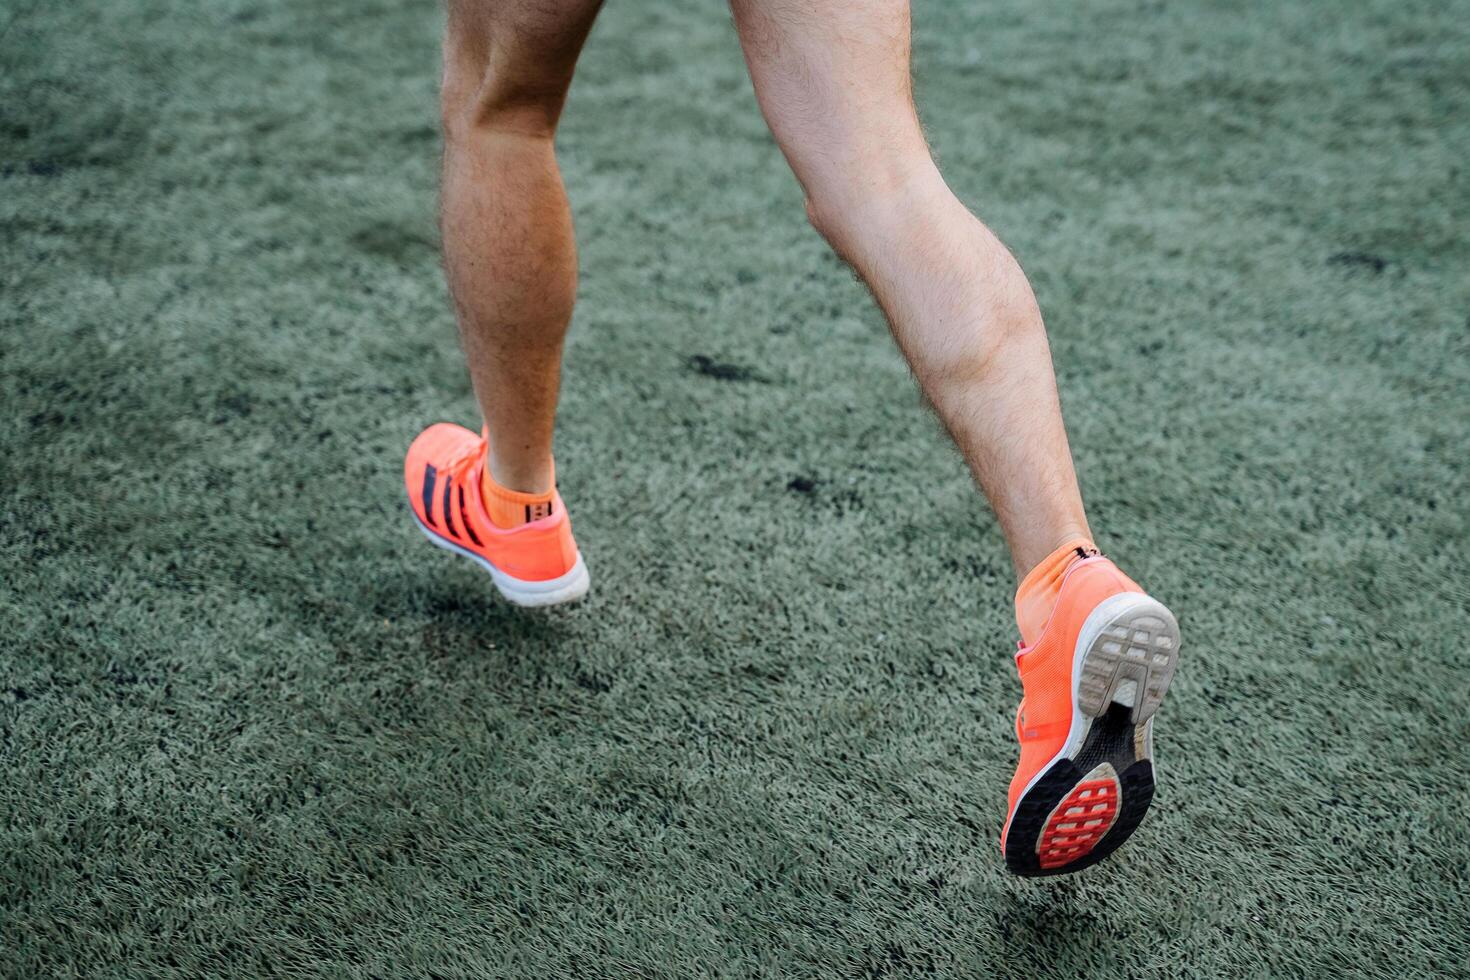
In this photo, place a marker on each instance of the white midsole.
(523, 592)
(1097, 620)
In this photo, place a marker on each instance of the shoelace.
(460, 466)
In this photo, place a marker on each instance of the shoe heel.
(1131, 652)
(553, 592)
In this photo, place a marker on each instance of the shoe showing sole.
(523, 592)
(1091, 796)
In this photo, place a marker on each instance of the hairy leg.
(832, 78)
(509, 253)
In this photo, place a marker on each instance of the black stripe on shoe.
(430, 475)
(464, 520)
(444, 509)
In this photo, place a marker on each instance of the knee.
(856, 208)
(824, 221)
(903, 229)
(834, 218)
(502, 95)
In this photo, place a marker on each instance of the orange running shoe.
(536, 564)
(1092, 681)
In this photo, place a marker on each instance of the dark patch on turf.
(121, 676)
(66, 123)
(972, 566)
(592, 681)
(236, 405)
(1358, 262)
(419, 134)
(34, 168)
(766, 672)
(47, 419)
(842, 501)
(723, 370)
(847, 500)
(385, 240)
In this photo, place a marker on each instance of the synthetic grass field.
(251, 724)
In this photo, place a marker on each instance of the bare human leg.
(832, 78)
(509, 253)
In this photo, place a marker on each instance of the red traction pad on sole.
(1079, 822)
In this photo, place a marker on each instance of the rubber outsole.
(1126, 663)
(522, 592)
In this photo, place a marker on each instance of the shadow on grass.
(462, 631)
(1054, 926)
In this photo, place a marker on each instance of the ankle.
(1037, 595)
(1033, 552)
(534, 475)
(508, 507)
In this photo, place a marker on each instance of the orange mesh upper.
(1046, 665)
(441, 474)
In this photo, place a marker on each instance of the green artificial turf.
(251, 724)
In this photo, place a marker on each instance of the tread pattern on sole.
(1135, 793)
(1081, 819)
(1130, 663)
(1123, 676)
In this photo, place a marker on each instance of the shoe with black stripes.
(535, 564)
